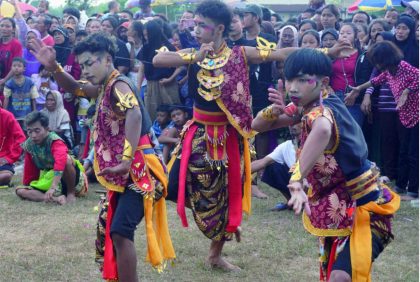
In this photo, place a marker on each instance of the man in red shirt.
(50, 174)
(43, 25)
(11, 136)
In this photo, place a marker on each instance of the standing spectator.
(186, 29)
(275, 18)
(55, 22)
(362, 34)
(351, 71)
(70, 11)
(122, 32)
(360, 17)
(11, 136)
(405, 39)
(20, 92)
(43, 7)
(32, 64)
(10, 48)
(307, 14)
(145, 9)
(329, 38)
(375, 27)
(93, 25)
(306, 25)
(71, 33)
(113, 8)
(122, 57)
(391, 17)
(43, 26)
(316, 4)
(162, 87)
(411, 8)
(134, 45)
(288, 37)
(310, 39)
(126, 15)
(330, 16)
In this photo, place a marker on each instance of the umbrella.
(7, 9)
(373, 5)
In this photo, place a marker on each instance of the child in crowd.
(403, 81)
(170, 136)
(83, 105)
(44, 82)
(20, 92)
(163, 120)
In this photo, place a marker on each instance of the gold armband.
(187, 57)
(79, 92)
(126, 101)
(128, 151)
(267, 114)
(265, 47)
(323, 50)
(296, 175)
(58, 69)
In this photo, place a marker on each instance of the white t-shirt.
(284, 153)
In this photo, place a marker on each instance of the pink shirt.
(48, 40)
(407, 76)
(338, 78)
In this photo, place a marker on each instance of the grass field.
(45, 242)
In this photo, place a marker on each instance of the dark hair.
(47, 20)
(386, 54)
(36, 116)
(267, 27)
(363, 13)
(313, 24)
(307, 61)
(10, 20)
(312, 32)
(138, 27)
(356, 38)
(127, 11)
(112, 4)
(364, 27)
(266, 14)
(97, 42)
(237, 12)
(162, 17)
(163, 109)
(335, 11)
(156, 38)
(277, 16)
(164, 26)
(177, 107)
(309, 10)
(81, 33)
(20, 60)
(72, 11)
(382, 22)
(112, 20)
(217, 11)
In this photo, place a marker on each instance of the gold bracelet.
(58, 69)
(187, 57)
(126, 158)
(267, 114)
(265, 47)
(323, 50)
(128, 150)
(296, 175)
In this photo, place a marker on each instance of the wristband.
(58, 69)
(296, 175)
(267, 114)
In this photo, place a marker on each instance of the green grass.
(45, 242)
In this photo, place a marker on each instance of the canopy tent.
(373, 5)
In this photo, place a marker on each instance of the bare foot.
(257, 193)
(71, 198)
(238, 234)
(221, 263)
(61, 200)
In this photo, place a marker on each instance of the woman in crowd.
(309, 39)
(375, 27)
(32, 64)
(134, 45)
(288, 37)
(330, 16)
(10, 48)
(329, 37)
(93, 25)
(405, 39)
(59, 119)
(162, 87)
(351, 71)
(306, 25)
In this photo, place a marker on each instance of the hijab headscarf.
(59, 118)
(409, 46)
(32, 64)
(387, 35)
(295, 34)
(62, 50)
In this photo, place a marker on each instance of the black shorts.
(343, 261)
(7, 167)
(128, 214)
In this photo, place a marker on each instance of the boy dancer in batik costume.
(213, 172)
(124, 162)
(345, 205)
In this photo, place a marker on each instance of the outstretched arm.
(47, 57)
(167, 59)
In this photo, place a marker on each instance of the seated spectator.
(20, 92)
(44, 82)
(59, 119)
(277, 166)
(11, 136)
(50, 173)
(32, 64)
(170, 136)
